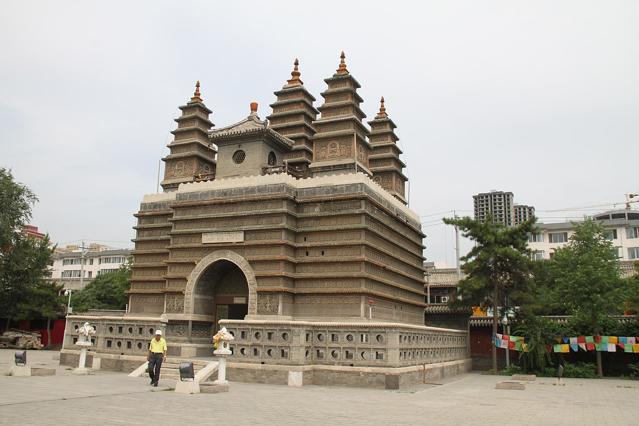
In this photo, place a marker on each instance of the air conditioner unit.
(444, 299)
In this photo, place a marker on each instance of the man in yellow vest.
(157, 354)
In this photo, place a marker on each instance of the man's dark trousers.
(155, 363)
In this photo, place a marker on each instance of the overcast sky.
(540, 98)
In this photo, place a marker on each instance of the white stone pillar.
(83, 358)
(221, 371)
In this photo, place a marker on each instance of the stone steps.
(170, 368)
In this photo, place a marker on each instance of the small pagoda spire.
(295, 75)
(196, 95)
(342, 64)
(382, 109)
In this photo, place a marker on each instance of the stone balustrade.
(372, 344)
(114, 334)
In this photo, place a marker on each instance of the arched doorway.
(221, 258)
(221, 291)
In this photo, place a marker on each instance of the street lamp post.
(504, 322)
(66, 319)
(68, 293)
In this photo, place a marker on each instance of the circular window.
(349, 337)
(284, 336)
(239, 156)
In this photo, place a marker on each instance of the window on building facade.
(558, 237)
(112, 259)
(632, 232)
(536, 237)
(618, 252)
(105, 271)
(538, 255)
(75, 261)
(71, 274)
(633, 252)
(610, 234)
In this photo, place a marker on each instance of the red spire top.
(253, 107)
(295, 75)
(196, 95)
(382, 109)
(342, 64)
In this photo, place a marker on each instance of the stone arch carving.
(209, 260)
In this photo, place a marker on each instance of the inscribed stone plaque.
(239, 300)
(223, 237)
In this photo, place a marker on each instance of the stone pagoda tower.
(340, 144)
(384, 160)
(293, 114)
(192, 156)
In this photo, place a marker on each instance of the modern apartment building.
(68, 265)
(622, 228)
(495, 204)
(522, 213)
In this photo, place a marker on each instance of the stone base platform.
(210, 387)
(334, 375)
(322, 375)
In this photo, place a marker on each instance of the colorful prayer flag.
(581, 339)
(556, 348)
(601, 347)
(613, 339)
(590, 346)
(597, 339)
(574, 347)
(573, 340)
(590, 339)
(635, 348)
(583, 346)
(612, 347)
(511, 344)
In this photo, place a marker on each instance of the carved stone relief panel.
(174, 303)
(267, 304)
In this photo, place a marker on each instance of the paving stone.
(113, 398)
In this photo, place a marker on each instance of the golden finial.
(342, 64)
(295, 74)
(382, 109)
(196, 95)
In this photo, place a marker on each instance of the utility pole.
(457, 264)
(81, 266)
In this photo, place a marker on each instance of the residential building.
(622, 228)
(32, 231)
(522, 213)
(68, 268)
(495, 204)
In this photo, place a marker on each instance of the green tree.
(45, 301)
(498, 268)
(586, 272)
(107, 291)
(24, 261)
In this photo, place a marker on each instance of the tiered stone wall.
(373, 344)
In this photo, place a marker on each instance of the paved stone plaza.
(114, 398)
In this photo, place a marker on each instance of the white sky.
(539, 98)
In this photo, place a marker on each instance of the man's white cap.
(158, 332)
